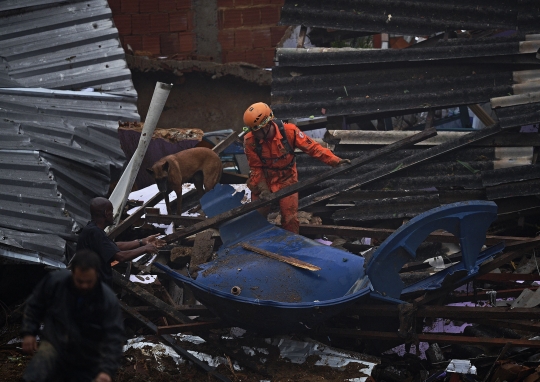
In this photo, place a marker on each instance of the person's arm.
(112, 344)
(134, 244)
(131, 254)
(312, 148)
(36, 305)
(257, 180)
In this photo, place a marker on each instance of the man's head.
(101, 210)
(85, 268)
(258, 117)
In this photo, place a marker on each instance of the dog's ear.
(165, 166)
(150, 171)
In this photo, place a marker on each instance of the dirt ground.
(139, 366)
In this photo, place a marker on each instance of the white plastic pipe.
(121, 192)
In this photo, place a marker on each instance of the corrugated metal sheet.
(413, 17)
(382, 83)
(70, 46)
(58, 148)
(33, 248)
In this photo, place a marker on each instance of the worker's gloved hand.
(29, 344)
(154, 240)
(103, 377)
(265, 195)
(341, 161)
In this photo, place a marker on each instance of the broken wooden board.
(284, 259)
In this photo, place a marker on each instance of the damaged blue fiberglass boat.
(256, 292)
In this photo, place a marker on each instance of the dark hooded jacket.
(86, 330)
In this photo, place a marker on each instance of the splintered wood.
(285, 259)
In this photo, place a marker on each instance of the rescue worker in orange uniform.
(269, 147)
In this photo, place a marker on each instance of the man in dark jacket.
(83, 333)
(93, 237)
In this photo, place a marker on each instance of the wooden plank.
(181, 328)
(428, 337)
(450, 312)
(481, 114)
(507, 277)
(248, 207)
(400, 165)
(382, 233)
(128, 222)
(172, 343)
(167, 310)
(484, 296)
(176, 219)
(284, 259)
(218, 149)
(526, 325)
(188, 310)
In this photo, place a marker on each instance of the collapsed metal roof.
(58, 148)
(412, 17)
(356, 82)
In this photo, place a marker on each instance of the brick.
(116, 6)
(190, 20)
(147, 6)
(255, 57)
(170, 44)
(225, 3)
(276, 34)
(242, 3)
(236, 56)
(123, 24)
(226, 39)
(260, 2)
(129, 6)
(159, 22)
(243, 38)
(166, 5)
(232, 18)
(134, 41)
(262, 38)
(139, 23)
(270, 15)
(279, 2)
(184, 4)
(151, 44)
(187, 42)
(251, 16)
(268, 58)
(178, 22)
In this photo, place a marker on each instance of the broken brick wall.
(245, 30)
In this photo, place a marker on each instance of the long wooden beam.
(128, 222)
(248, 207)
(382, 233)
(451, 312)
(400, 165)
(428, 337)
(181, 328)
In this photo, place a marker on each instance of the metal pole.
(123, 188)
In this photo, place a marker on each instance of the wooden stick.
(285, 259)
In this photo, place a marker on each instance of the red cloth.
(274, 173)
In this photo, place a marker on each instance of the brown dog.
(199, 164)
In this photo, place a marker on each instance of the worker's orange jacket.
(276, 171)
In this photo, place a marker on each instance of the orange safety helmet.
(258, 115)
